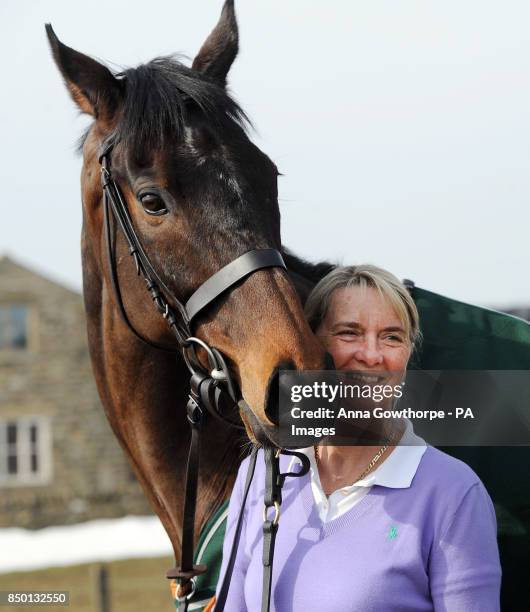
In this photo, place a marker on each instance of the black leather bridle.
(213, 389)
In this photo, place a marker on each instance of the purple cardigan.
(431, 546)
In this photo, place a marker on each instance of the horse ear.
(92, 86)
(220, 48)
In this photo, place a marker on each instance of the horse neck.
(144, 394)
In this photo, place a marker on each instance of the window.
(25, 451)
(13, 326)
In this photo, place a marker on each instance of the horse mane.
(158, 96)
(304, 274)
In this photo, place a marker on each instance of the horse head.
(199, 194)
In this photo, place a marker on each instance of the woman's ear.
(93, 87)
(220, 48)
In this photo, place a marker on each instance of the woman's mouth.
(367, 379)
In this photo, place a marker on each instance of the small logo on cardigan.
(392, 533)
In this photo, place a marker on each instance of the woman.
(371, 528)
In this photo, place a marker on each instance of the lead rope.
(223, 591)
(274, 481)
(185, 573)
(273, 499)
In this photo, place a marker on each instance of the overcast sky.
(402, 128)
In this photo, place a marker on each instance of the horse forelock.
(157, 97)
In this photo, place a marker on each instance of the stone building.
(59, 460)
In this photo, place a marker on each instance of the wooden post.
(103, 593)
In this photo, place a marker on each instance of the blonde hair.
(364, 275)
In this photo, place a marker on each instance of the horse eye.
(153, 204)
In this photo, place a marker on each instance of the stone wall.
(90, 476)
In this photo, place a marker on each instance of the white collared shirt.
(397, 472)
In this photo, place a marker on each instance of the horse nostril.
(277, 395)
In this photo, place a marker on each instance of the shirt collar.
(396, 472)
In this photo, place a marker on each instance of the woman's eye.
(347, 334)
(153, 204)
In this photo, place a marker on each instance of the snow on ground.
(99, 540)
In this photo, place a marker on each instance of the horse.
(199, 194)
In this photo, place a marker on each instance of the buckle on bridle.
(276, 517)
(194, 410)
(218, 374)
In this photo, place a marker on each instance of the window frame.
(23, 451)
(31, 329)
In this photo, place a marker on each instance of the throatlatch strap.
(223, 593)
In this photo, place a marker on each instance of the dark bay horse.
(200, 194)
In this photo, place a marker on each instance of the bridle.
(179, 316)
(212, 389)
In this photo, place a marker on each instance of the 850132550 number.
(34, 598)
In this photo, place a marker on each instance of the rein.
(213, 390)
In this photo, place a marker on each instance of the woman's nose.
(369, 354)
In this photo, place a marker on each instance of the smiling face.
(362, 332)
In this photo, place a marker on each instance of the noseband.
(212, 389)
